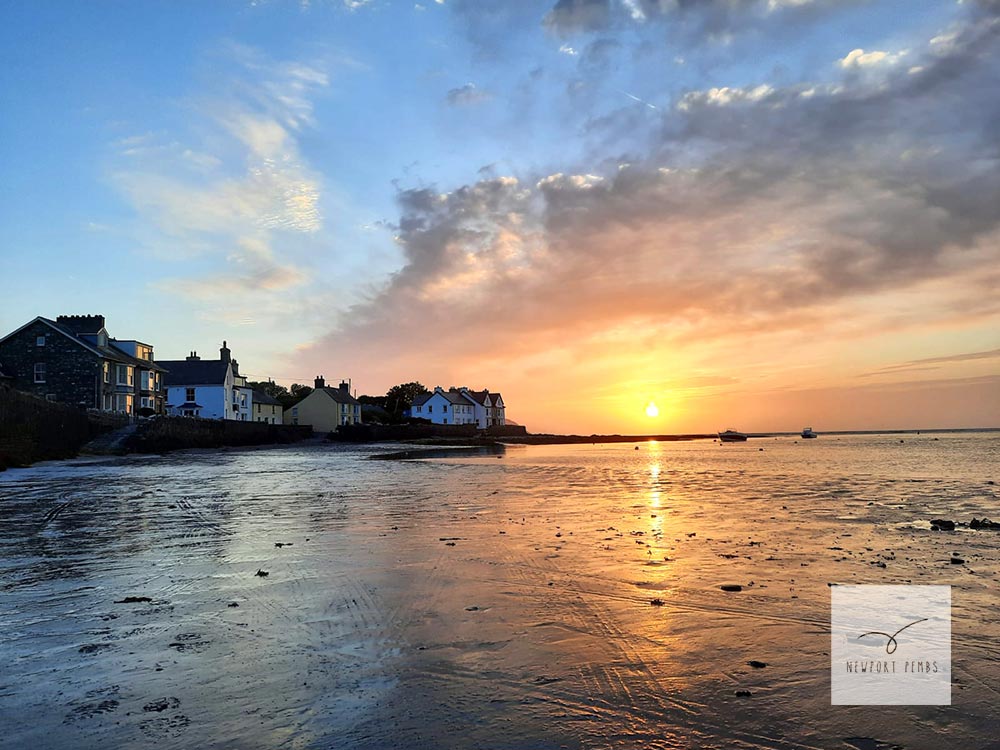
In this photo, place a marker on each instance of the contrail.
(636, 98)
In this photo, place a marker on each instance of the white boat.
(807, 432)
(732, 436)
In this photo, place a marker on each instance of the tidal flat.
(664, 595)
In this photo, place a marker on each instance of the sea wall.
(366, 433)
(34, 429)
(507, 430)
(163, 434)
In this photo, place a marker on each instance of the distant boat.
(732, 436)
(807, 432)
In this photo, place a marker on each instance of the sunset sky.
(762, 214)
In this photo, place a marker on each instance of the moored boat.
(732, 436)
(807, 432)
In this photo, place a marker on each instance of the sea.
(647, 595)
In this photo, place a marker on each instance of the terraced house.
(73, 360)
(460, 406)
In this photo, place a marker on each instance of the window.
(419, 408)
(189, 394)
(124, 375)
(445, 421)
(39, 341)
(107, 372)
(430, 408)
(39, 372)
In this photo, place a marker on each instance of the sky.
(762, 214)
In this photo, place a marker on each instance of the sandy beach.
(542, 597)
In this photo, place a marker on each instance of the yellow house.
(266, 408)
(325, 408)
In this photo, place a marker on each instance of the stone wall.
(162, 434)
(33, 429)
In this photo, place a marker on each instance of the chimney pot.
(319, 382)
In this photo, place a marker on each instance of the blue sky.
(470, 192)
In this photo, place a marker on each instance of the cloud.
(236, 190)
(858, 58)
(572, 16)
(761, 210)
(932, 363)
(705, 17)
(467, 95)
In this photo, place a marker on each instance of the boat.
(732, 436)
(807, 432)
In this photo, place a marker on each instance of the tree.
(299, 391)
(271, 388)
(293, 395)
(399, 398)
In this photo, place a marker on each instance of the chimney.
(224, 353)
(319, 382)
(193, 357)
(82, 324)
(345, 387)
(236, 367)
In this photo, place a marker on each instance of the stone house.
(73, 360)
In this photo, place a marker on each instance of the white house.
(460, 406)
(208, 388)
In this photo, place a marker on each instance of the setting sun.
(652, 410)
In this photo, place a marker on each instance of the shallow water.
(485, 601)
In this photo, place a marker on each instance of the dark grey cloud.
(573, 16)
(467, 94)
(699, 17)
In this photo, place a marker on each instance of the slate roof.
(459, 397)
(194, 372)
(261, 397)
(341, 397)
(456, 397)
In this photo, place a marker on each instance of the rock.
(957, 561)
(985, 523)
(162, 704)
(743, 694)
(233, 604)
(942, 524)
(133, 600)
(756, 664)
(657, 602)
(262, 573)
(731, 587)
(279, 545)
(472, 608)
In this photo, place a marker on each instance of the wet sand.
(548, 597)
